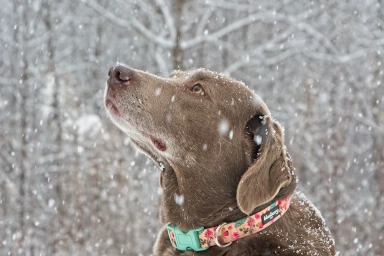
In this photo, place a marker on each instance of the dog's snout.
(110, 71)
(120, 76)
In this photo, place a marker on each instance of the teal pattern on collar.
(185, 241)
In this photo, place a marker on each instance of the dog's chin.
(140, 139)
(122, 124)
(141, 147)
(131, 128)
(122, 120)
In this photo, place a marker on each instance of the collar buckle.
(185, 240)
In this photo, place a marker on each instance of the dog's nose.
(119, 76)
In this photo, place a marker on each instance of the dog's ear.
(270, 169)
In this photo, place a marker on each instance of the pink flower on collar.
(208, 233)
(250, 222)
(235, 235)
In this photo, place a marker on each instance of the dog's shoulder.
(308, 228)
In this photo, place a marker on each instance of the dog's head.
(214, 136)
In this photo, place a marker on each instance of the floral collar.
(201, 239)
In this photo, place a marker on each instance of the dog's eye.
(197, 89)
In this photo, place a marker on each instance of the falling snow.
(179, 199)
(258, 139)
(223, 127)
(72, 184)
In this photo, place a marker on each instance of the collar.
(200, 239)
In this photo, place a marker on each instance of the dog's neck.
(200, 210)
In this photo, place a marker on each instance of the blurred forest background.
(70, 184)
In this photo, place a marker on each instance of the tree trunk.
(177, 51)
(23, 101)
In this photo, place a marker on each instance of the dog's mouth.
(158, 143)
(112, 107)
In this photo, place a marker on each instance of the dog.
(229, 186)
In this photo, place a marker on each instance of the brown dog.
(222, 158)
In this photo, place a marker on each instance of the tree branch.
(130, 23)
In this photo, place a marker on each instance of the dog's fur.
(220, 149)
